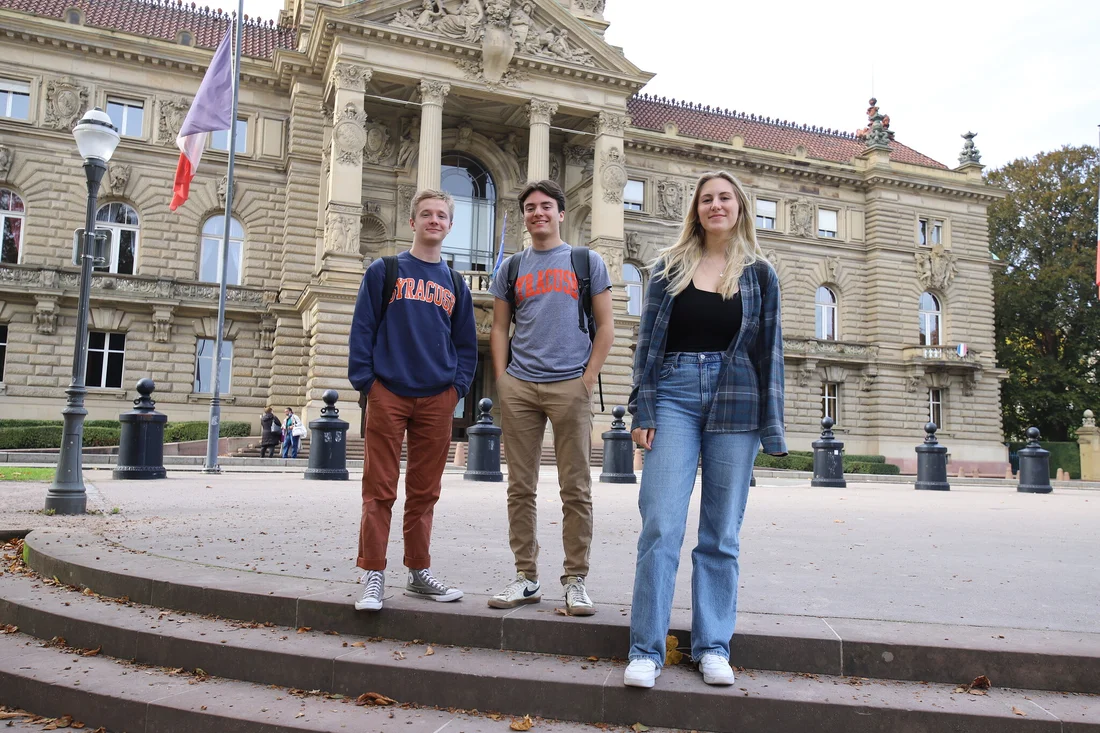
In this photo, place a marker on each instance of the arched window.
(122, 220)
(12, 214)
(469, 246)
(184, 38)
(210, 261)
(825, 314)
(73, 16)
(632, 277)
(931, 332)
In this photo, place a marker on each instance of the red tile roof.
(165, 19)
(763, 133)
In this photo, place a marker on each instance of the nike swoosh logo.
(528, 593)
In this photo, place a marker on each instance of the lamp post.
(96, 139)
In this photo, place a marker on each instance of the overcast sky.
(1023, 75)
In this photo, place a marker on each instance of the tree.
(1047, 314)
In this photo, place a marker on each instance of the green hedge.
(803, 461)
(1064, 455)
(880, 469)
(847, 456)
(28, 434)
(184, 431)
(788, 462)
(49, 436)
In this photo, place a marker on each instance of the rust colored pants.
(428, 423)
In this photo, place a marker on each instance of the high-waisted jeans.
(684, 392)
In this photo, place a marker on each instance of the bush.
(49, 436)
(789, 462)
(847, 456)
(103, 424)
(880, 469)
(28, 423)
(1064, 455)
(182, 432)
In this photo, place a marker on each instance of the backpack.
(389, 284)
(582, 268)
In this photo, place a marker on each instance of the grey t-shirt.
(548, 344)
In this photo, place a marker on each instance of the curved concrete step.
(513, 683)
(1045, 660)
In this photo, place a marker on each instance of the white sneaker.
(641, 673)
(716, 669)
(577, 602)
(371, 600)
(519, 591)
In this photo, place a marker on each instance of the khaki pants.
(524, 409)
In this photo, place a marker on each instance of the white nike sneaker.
(519, 591)
(716, 669)
(641, 673)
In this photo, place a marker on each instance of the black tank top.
(702, 321)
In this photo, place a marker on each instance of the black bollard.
(141, 443)
(931, 463)
(483, 456)
(1034, 466)
(328, 446)
(828, 458)
(618, 451)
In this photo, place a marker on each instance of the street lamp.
(96, 139)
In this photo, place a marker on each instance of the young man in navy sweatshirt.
(414, 363)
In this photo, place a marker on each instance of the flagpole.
(214, 428)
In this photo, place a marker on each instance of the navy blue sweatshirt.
(426, 343)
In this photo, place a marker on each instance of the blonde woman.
(708, 381)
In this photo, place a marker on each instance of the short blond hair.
(432, 193)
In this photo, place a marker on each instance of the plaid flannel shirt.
(750, 383)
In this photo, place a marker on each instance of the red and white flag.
(211, 111)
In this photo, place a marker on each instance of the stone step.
(121, 696)
(1046, 660)
(512, 683)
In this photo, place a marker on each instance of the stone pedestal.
(1088, 438)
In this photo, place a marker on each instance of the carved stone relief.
(349, 135)
(404, 202)
(410, 141)
(632, 245)
(936, 269)
(66, 102)
(172, 114)
(465, 134)
(539, 111)
(120, 178)
(378, 147)
(268, 324)
(670, 199)
(613, 175)
(434, 92)
(832, 268)
(223, 185)
(162, 324)
(45, 315)
(806, 373)
(475, 71)
(351, 77)
(7, 158)
(802, 218)
(341, 231)
(609, 123)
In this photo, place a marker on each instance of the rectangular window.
(106, 356)
(765, 214)
(210, 264)
(830, 401)
(935, 407)
(929, 231)
(922, 232)
(634, 195)
(826, 223)
(3, 349)
(127, 115)
(15, 99)
(204, 367)
(937, 232)
(220, 140)
(11, 237)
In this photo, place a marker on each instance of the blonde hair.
(431, 193)
(680, 260)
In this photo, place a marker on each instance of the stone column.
(608, 183)
(539, 113)
(1088, 437)
(344, 199)
(432, 94)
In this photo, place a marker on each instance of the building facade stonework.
(347, 108)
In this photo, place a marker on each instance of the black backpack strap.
(511, 274)
(389, 283)
(582, 268)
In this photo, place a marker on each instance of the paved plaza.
(980, 555)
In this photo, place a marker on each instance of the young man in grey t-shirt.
(551, 374)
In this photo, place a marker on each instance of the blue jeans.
(684, 392)
(290, 445)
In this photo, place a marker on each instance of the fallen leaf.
(398, 655)
(77, 725)
(672, 654)
(639, 728)
(593, 659)
(981, 683)
(1018, 711)
(429, 652)
(90, 652)
(304, 629)
(561, 612)
(300, 715)
(373, 698)
(525, 724)
(359, 643)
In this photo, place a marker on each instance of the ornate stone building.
(347, 107)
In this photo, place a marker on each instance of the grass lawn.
(21, 473)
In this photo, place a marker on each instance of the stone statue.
(464, 25)
(422, 20)
(7, 157)
(970, 153)
(120, 178)
(521, 24)
(410, 142)
(936, 269)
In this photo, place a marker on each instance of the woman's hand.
(643, 437)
